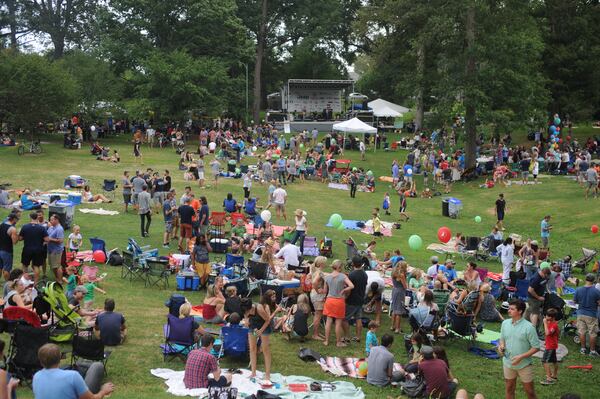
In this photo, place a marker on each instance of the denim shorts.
(6, 261)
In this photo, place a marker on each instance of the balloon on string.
(363, 367)
(265, 215)
(553, 128)
(594, 228)
(477, 219)
(444, 234)
(557, 121)
(415, 242)
(335, 220)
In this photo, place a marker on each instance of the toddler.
(371, 340)
(75, 239)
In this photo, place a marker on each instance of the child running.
(91, 286)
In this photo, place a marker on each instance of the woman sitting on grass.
(89, 197)
(488, 310)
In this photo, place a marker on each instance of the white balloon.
(409, 171)
(265, 215)
(254, 149)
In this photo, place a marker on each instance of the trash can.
(445, 206)
(454, 207)
(65, 211)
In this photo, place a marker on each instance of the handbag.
(413, 388)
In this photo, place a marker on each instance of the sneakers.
(594, 354)
(548, 382)
(166, 246)
(583, 351)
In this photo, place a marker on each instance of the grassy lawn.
(144, 307)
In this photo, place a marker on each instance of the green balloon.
(301, 146)
(545, 265)
(477, 219)
(335, 220)
(369, 173)
(415, 242)
(238, 171)
(341, 227)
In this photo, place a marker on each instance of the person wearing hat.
(588, 299)
(438, 381)
(301, 226)
(76, 303)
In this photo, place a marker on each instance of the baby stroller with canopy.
(588, 256)
(352, 251)
(63, 319)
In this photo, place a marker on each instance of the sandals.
(355, 339)
(548, 382)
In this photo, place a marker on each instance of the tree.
(35, 90)
(12, 25)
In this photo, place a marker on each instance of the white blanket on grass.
(99, 211)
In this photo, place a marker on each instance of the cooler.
(454, 207)
(74, 181)
(75, 198)
(187, 281)
(219, 245)
(182, 260)
(65, 210)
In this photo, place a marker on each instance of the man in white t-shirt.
(279, 200)
(362, 148)
(290, 254)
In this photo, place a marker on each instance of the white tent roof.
(381, 103)
(386, 112)
(354, 125)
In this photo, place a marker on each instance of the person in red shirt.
(551, 345)
(438, 381)
(200, 363)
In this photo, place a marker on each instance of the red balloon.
(444, 234)
(558, 128)
(595, 228)
(568, 138)
(99, 256)
(560, 141)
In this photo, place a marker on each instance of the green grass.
(144, 309)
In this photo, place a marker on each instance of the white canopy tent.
(353, 125)
(380, 103)
(386, 112)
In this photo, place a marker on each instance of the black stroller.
(352, 251)
(588, 256)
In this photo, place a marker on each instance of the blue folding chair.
(234, 342)
(98, 244)
(522, 287)
(496, 288)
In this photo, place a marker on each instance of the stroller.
(61, 330)
(352, 251)
(588, 256)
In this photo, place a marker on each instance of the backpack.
(222, 393)
(115, 259)
(414, 388)
(309, 355)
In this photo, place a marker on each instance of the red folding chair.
(217, 222)
(237, 216)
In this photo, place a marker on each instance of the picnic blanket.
(388, 179)
(561, 352)
(246, 386)
(277, 230)
(349, 224)
(339, 186)
(488, 336)
(345, 366)
(85, 256)
(100, 211)
(386, 228)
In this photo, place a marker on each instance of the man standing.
(8, 238)
(355, 300)
(535, 295)
(281, 173)
(500, 209)
(34, 236)
(168, 209)
(186, 215)
(204, 216)
(56, 239)
(518, 342)
(353, 184)
(126, 183)
(315, 135)
(110, 325)
(137, 183)
(53, 382)
(545, 228)
(588, 299)
(200, 363)
(145, 210)
(362, 149)
(279, 199)
(591, 176)
(395, 173)
(381, 364)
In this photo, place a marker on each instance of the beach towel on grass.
(339, 186)
(349, 224)
(245, 386)
(85, 256)
(345, 366)
(101, 212)
(277, 230)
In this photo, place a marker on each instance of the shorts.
(54, 259)
(32, 258)
(525, 374)
(587, 325)
(169, 226)
(378, 234)
(534, 306)
(200, 175)
(280, 207)
(544, 242)
(353, 312)
(127, 198)
(335, 308)
(6, 261)
(318, 300)
(203, 269)
(402, 209)
(500, 215)
(549, 356)
(525, 175)
(185, 230)
(592, 184)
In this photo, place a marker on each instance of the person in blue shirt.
(449, 271)
(230, 204)
(371, 340)
(250, 206)
(588, 299)
(52, 382)
(545, 228)
(281, 171)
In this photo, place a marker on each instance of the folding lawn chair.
(461, 325)
(235, 216)
(23, 360)
(234, 342)
(258, 270)
(519, 290)
(109, 187)
(98, 244)
(310, 246)
(131, 268)
(440, 297)
(217, 223)
(157, 273)
(588, 256)
(179, 337)
(496, 290)
(86, 346)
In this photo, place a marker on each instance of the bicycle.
(34, 147)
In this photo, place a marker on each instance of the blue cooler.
(187, 281)
(75, 198)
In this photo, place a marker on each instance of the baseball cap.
(591, 277)
(434, 259)
(80, 288)
(426, 350)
